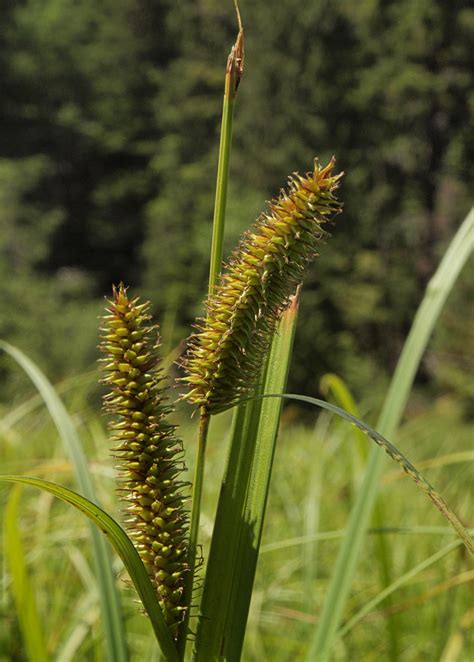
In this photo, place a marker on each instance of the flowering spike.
(225, 357)
(147, 448)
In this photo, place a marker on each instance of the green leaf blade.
(23, 592)
(111, 609)
(124, 548)
(436, 294)
(239, 521)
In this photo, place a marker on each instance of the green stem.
(234, 71)
(194, 527)
(232, 77)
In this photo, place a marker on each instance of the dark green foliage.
(145, 443)
(386, 86)
(226, 356)
(110, 116)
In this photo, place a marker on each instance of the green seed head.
(225, 357)
(145, 443)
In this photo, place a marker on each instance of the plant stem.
(233, 75)
(194, 526)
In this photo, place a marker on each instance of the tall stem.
(197, 489)
(194, 526)
(233, 75)
(234, 71)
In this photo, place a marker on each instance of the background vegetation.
(110, 117)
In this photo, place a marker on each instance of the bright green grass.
(284, 605)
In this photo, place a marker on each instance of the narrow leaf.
(23, 592)
(241, 510)
(393, 452)
(124, 548)
(428, 313)
(343, 397)
(333, 384)
(406, 577)
(109, 599)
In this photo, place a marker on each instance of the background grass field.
(310, 497)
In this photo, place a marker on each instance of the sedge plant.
(238, 358)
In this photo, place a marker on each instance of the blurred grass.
(22, 589)
(115, 644)
(282, 617)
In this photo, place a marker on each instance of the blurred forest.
(110, 116)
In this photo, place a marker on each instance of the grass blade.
(436, 294)
(23, 592)
(457, 643)
(124, 548)
(259, 483)
(334, 384)
(337, 534)
(109, 598)
(224, 542)
(371, 604)
(393, 452)
(241, 509)
(16, 414)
